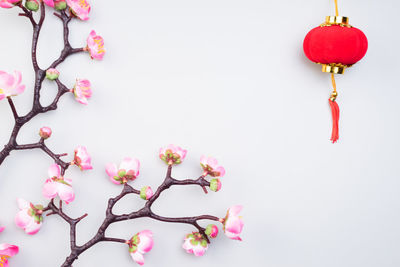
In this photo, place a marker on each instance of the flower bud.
(52, 74)
(146, 193)
(60, 5)
(215, 185)
(212, 230)
(32, 5)
(45, 132)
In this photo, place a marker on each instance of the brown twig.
(144, 212)
(40, 75)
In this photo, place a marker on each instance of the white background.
(227, 79)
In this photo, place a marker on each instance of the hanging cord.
(336, 9)
(335, 112)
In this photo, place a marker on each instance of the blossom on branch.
(195, 243)
(233, 223)
(10, 84)
(140, 244)
(82, 91)
(211, 167)
(95, 46)
(128, 171)
(57, 185)
(172, 154)
(82, 158)
(29, 218)
(80, 8)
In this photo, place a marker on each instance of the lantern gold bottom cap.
(333, 68)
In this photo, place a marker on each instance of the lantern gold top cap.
(337, 20)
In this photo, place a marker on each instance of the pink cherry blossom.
(6, 252)
(233, 223)
(2, 229)
(95, 46)
(211, 167)
(195, 243)
(58, 185)
(45, 132)
(10, 85)
(8, 3)
(172, 154)
(82, 158)
(146, 192)
(80, 8)
(82, 91)
(29, 218)
(128, 171)
(140, 244)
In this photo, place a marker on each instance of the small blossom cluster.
(30, 216)
(172, 154)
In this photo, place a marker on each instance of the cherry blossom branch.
(40, 75)
(111, 218)
(59, 186)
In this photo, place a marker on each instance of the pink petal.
(221, 171)
(199, 250)
(22, 219)
(234, 225)
(50, 3)
(49, 189)
(8, 250)
(23, 204)
(233, 236)
(203, 160)
(212, 162)
(129, 164)
(235, 210)
(111, 170)
(138, 258)
(54, 171)
(66, 193)
(17, 77)
(146, 241)
(33, 228)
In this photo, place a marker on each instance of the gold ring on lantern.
(335, 68)
(336, 20)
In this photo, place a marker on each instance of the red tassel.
(335, 120)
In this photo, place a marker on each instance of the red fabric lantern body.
(335, 44)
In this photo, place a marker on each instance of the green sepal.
(31, 5)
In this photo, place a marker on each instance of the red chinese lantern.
(336, 45)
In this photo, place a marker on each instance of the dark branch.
(40, 75)
(144, 212)
(13, 109)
